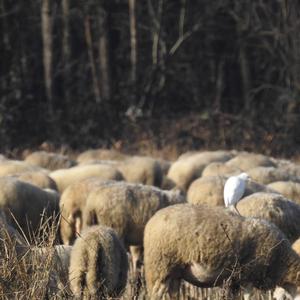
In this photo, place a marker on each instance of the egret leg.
(234, 209)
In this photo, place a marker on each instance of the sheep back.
(126, 208)
(274, 208)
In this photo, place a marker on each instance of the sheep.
(24, 204)
(71, 204)
(186, 170)
(209, 190)
(274, 208)
(98, 264)
(100, 154)
(288, 189)
(36, 178)
(141, 169)
(246, 161)
(267, 175)
(279, 292)
(209, 246)
(11, 167)
(49, 160)
(127, 208)
(10, 238)
(65, 177)
(219, 169)
(208, 154)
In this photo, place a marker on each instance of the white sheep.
(24, 205)
(247, 160)
(100, 154)
(127, 208)
(288, 189)
(266, 175)
(274, 208)
(37, 178)
(220, 169)
(72, 203)
(49, 160)
(209, 246)
(185, 170)
(66, 177)
(141, 169)
(98, 264)
(210, 189)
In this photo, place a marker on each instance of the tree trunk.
(66, 48)
(47, 52)
(133, 41)
(89, 42)
(103, 49)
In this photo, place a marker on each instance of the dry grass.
(27, 273)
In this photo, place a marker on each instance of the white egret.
(234, 189)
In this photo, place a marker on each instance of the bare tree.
(133, 42)
(47, 51)
(66, 48)
(103, 50)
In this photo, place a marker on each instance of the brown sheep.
(209, 246)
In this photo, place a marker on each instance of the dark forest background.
(112, 73)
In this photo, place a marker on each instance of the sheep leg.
(136, 257)
(159, 289)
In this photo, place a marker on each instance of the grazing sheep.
(141, 169)
(10, 238)
(208, 246)
(11, 167)
(246, 161)
(265, 175)
(49, 160)
(100, 154)
(66, 177)
(280, 293)
(219, 169)
(288, 189)
(184, 171)
(209, 190)
(274, 208)
(39, 179)
(127, 208)
(98, 264)
(24, 204)
(71, 204)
